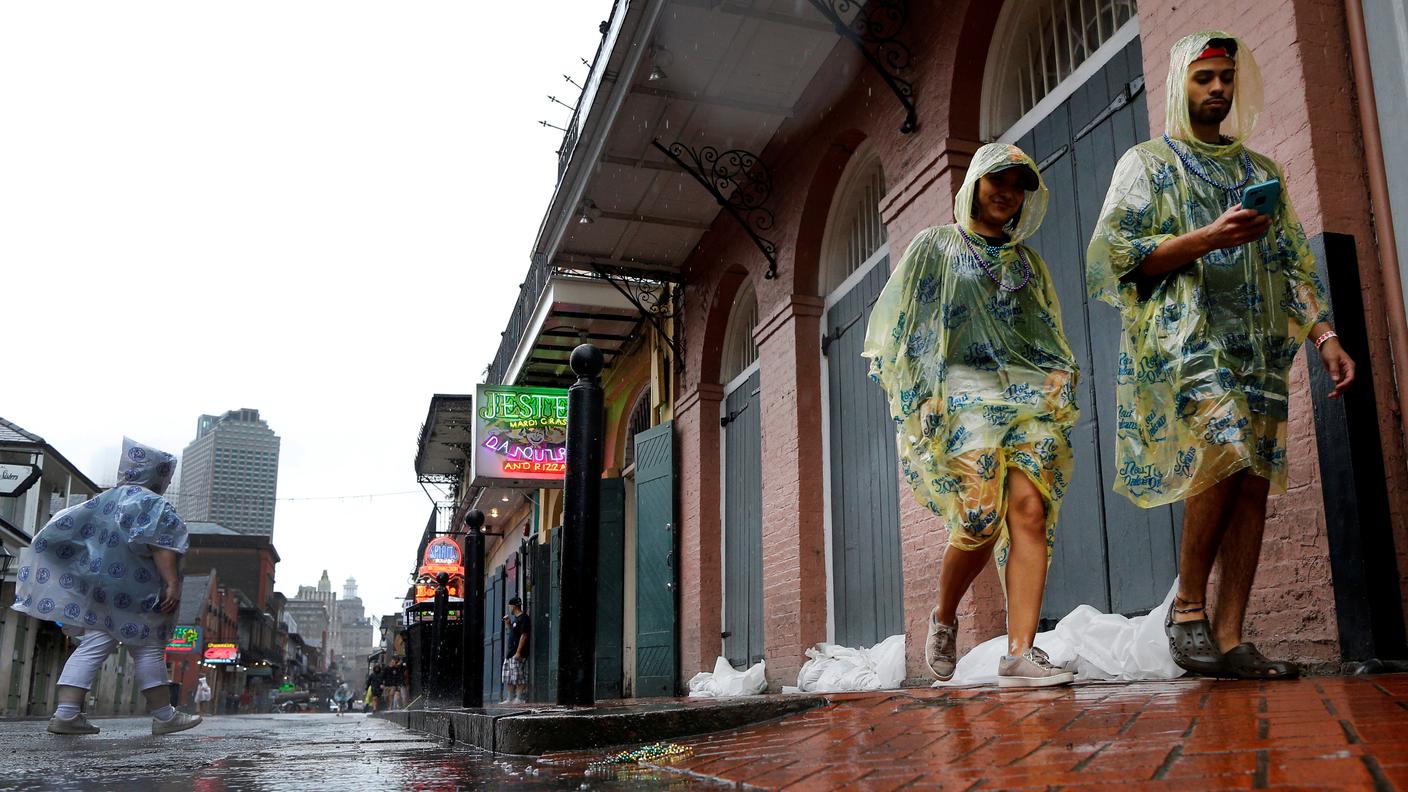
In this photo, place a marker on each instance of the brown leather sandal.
(1191, 643)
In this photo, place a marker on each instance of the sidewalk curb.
(532, 731)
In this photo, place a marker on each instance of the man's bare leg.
(1205, 521)
(1241, 549)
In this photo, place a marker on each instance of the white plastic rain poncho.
(1205, 352)
(980, 379)
(90, 567)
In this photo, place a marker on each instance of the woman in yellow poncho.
(966, 339)
(1215, 301)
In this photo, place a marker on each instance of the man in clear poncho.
(1215, 301)
(107, 569)
(966, 339)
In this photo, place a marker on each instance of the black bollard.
(581, 518)
(437, 639)
(472, 655)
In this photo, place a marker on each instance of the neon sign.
(441, 555)
(184, 640)
(222, 653)
(520, 437)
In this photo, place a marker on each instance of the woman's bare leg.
(956, 576)
(1026, 563)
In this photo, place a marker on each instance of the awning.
(446, 438)
(571, 310)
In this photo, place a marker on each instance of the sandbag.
(725, 680)
(833, 669)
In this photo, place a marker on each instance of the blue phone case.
(1264, 197)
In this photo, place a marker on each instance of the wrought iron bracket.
(739, 182)
(875, 30)
(654, 299)
(442, 479)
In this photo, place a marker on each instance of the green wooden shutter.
(655, 562)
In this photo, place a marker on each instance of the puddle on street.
(430, 768)
(350, 766)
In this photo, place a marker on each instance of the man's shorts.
(513, 672)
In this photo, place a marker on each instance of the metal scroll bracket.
(874, 29)
(654, 300)
(739, 182)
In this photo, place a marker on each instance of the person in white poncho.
(107, 569)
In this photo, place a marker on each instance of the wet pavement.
(282, 752)
(1316, 733)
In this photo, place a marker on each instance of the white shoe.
(78, 724)
(520, 700)
(178, 722)
(1031, 668)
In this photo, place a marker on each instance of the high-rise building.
(230, 473)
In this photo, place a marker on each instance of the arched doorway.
(742, 460)
(865, 590)
(1065, 82)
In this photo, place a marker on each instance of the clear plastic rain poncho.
(90, 567)
(980, 379)
(1205, 352)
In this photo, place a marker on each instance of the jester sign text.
(520, 436)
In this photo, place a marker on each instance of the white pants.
(82, 667)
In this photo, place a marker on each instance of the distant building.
(230, 473)
(315, 608)
(244, 562)
(311, 617)
(355, 631)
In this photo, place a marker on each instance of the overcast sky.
(321, 210)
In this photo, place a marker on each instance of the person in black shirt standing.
(516, 653)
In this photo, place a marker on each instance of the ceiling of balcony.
(717, 73)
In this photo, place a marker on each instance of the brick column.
(794, 553)
(701, 602)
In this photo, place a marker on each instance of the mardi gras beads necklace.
(996, 252)
(645, 753)
(1234, 191)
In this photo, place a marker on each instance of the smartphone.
(1264, 197)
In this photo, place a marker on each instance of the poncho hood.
(1247, 97)
(992, 158)
(145, 466)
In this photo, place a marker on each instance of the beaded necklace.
(996, 252)
(1234, 191)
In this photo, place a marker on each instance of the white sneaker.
(78, 724)
(520, 700)
(1031, 668)
(178, 722)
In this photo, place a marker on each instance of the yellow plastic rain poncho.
(1204, 356)
(980, 379)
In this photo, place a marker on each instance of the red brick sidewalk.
(1317, 733)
